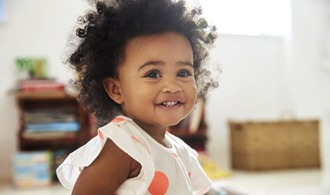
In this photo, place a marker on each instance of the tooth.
(169, 104)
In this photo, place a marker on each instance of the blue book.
(56, 126)
(32, 169)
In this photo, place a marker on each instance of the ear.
(112, 88)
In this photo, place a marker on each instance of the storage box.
(32, 169)
(273, 145)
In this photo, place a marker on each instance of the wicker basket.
(274, 144)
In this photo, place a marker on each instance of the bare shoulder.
(109, 170)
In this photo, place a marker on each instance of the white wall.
(252, 86)
(310, 77)
(33, 28)
(269, 77)
(260, 76)
(311, 81)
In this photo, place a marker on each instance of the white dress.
(173, 170)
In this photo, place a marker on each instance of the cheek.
(136, 95)
(192, 90)
(191, 95)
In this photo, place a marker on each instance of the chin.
(177, 122)
(174, 122)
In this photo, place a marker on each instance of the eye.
(153, 74)
(183, 73)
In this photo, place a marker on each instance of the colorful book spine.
(35, 85)
(32, 169)
(57, 126)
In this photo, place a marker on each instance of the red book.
(41, 85)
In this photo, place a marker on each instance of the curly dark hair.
(98, 46)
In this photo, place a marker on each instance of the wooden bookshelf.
(196, 136)
(52, 101)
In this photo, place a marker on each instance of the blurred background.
(274, 56)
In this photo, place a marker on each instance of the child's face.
(156, 84)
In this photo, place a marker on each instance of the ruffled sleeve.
(125, 135)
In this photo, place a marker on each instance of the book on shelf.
(48, 135)
(54, 126)
(37, 85)
(48, 116)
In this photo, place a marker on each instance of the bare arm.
(109, 170)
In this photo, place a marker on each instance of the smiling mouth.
(170, 104)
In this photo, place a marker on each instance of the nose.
(171, 86)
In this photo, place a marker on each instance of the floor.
(288, 182)
(291, 182)
(56, 189)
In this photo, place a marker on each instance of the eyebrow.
(161, 63)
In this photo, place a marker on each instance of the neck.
(157, 132)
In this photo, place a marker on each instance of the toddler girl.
(139, 67)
